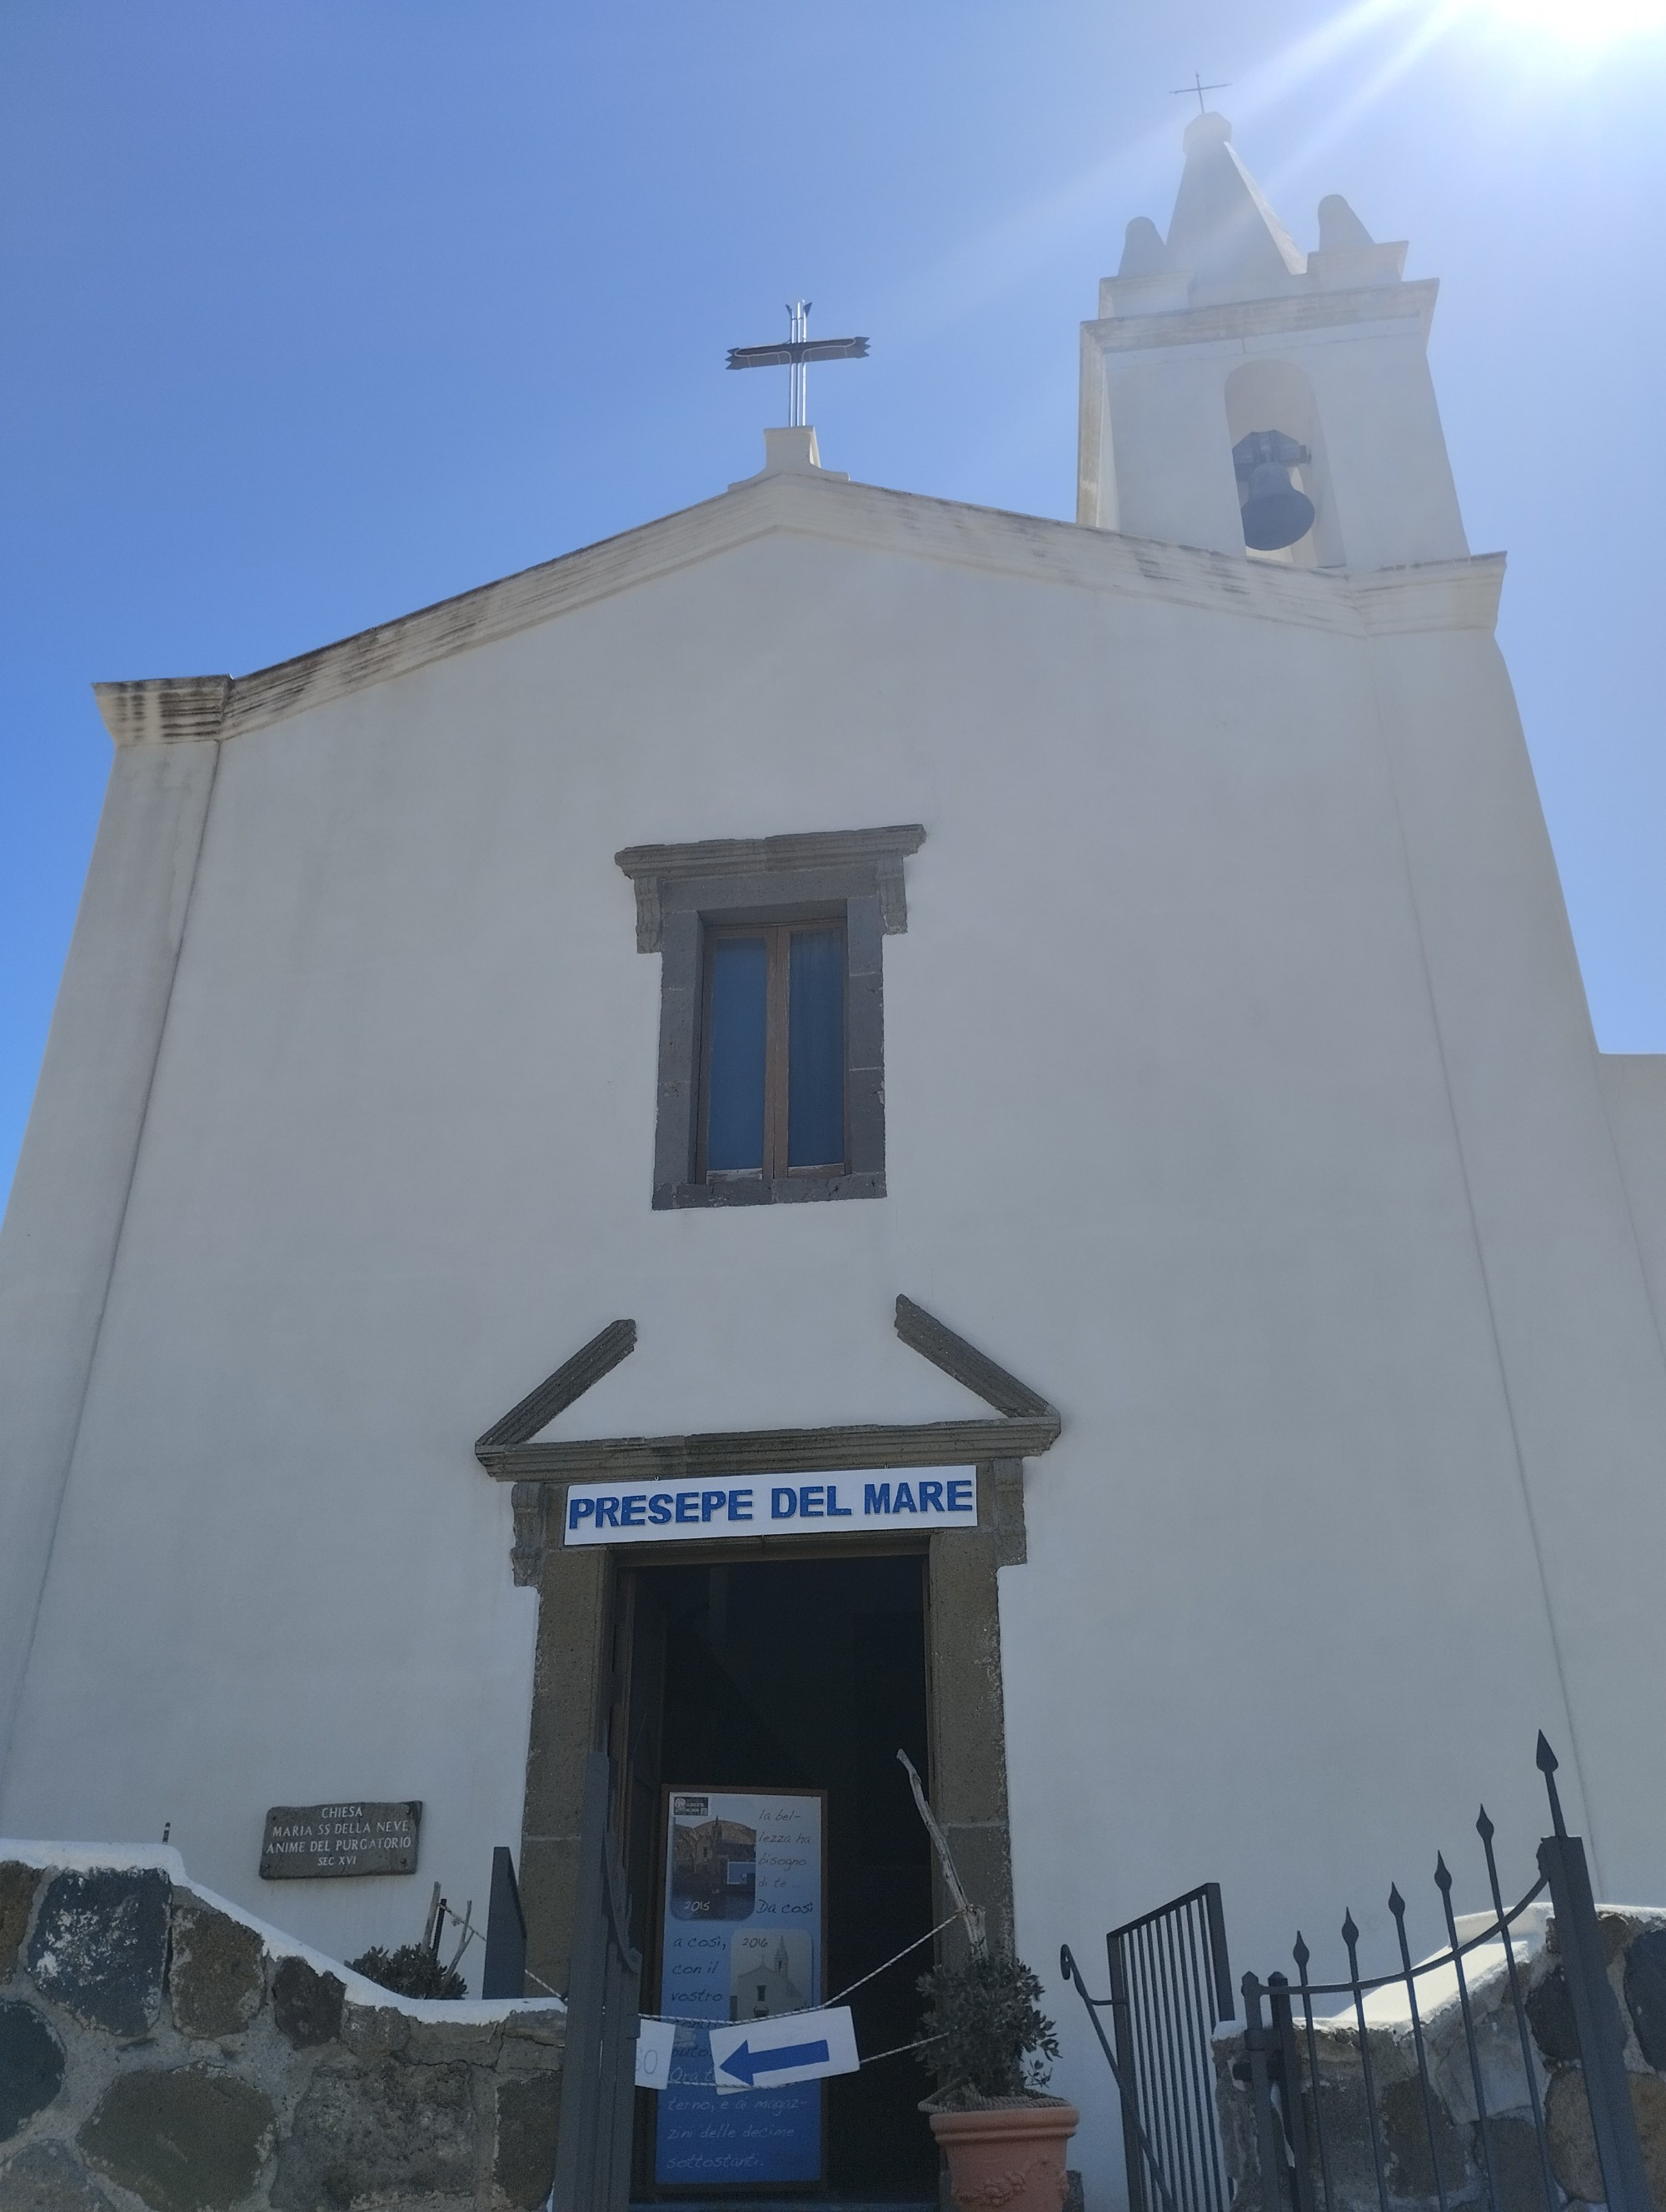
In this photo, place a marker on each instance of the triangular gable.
(175, 710)
(1026, 1424)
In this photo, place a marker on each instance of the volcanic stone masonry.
(160, 2050)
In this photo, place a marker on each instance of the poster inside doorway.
(740, 1939)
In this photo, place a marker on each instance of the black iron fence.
(593, 2152)
(1170, 1987)
(1313, 2058)
(1421, 2085)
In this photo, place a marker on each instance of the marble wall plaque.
(323, 1843)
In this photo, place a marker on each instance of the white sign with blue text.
(875, 1502)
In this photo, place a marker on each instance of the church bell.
(1275, 513)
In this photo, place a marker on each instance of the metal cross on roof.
(1197, 86)
(800, 349)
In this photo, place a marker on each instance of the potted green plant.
(412, 1971)
(992, 2047)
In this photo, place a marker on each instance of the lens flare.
(1577, 22)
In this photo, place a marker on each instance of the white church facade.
(1073, 1026)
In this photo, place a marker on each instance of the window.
(771, 1012)
(773, 1058)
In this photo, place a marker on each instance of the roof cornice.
(1441, 595)
(183, 709)
(1230, 321)
(164, 710)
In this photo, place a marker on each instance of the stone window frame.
(683, 889)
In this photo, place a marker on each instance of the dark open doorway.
(800, 1674)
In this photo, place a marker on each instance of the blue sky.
(320, 310)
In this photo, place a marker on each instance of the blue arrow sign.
(746, 2065)
(774, 2052)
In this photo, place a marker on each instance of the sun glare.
(1577, 22)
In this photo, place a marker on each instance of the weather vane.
(800, 349)
(1197, 86)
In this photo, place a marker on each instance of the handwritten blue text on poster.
(741, 1939)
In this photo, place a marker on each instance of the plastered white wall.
(1384, 447)
(68, 1197)
(1634, 1091)
(1170, 458)
(1240, 1097)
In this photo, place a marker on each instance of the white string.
(874, 2057)
(903, 1953)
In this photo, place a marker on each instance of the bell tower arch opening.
(1321, 358)
(1285, 503)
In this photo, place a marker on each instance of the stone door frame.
(572, 1687)
(574, 1673)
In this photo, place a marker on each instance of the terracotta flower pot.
(1007, 2158)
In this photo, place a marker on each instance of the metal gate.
(593, 2152)
(1170, 1987)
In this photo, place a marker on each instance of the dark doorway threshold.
(805, 1673)
(741, 2201)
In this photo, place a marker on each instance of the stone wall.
(1635, 1945)
(159, 2048)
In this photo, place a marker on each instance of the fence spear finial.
(1548, 1763)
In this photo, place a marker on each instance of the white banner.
(881, 1501)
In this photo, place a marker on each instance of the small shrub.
(991, 2035)
(412, 1971)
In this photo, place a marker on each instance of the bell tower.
(1244, 397)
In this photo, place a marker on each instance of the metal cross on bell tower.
(798, 351)
(1198, 87)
